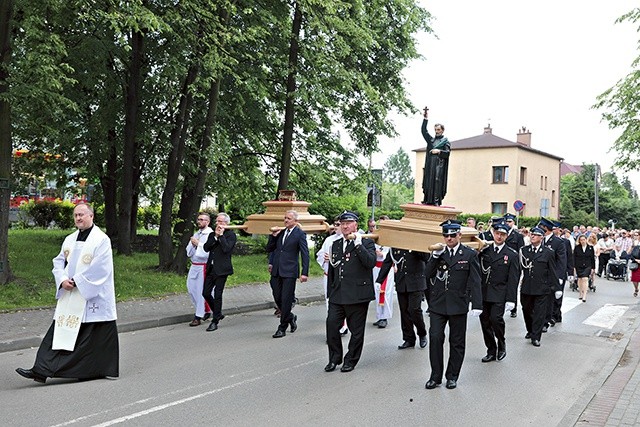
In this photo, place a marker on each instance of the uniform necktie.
(497, 249)
(450, 253)
(350, 246)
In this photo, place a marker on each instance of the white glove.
(561, 281)
(358, 240)
(376, 286)
(558, 294)
(475, 312)
(437, 253)
(508, 306)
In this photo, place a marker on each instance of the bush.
(64, 215)
(42, 213)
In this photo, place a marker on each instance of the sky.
(538, 64)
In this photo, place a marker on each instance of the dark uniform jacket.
(560, 252)
(500, 274)
(350, 275)
(412, 269)
(453, 282)
(539, 271)
(569, 252)
(514, 240)
(220, 250)
(284, 257)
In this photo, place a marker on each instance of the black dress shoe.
(423, 341)
(536, 343)
(552, 322)
(514, 314)
(406, 344)
(279, 333)
(347, 368)
(293, 323)
(212, 327)
(451, 384)
(28, 373)
(382, 323)
(330, 367)
(502, 354)
(545, 328)
(376, 323)
(489, 358)
(206, 316)
(431, 384)
(528, 335)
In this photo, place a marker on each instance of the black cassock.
(436, 168)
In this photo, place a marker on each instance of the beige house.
(487, 174)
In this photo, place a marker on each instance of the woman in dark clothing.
(584, 260)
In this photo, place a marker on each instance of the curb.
(136, 325)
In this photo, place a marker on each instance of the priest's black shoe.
(293, 323)
(330, 367)
(502, 354)
(451, 384)
(382, 323)
(536, 343)
(406, 344)
(489, 358)
(431, 384)
(206, 316)
(545, 328)
(279, 333)
(347, 368)
(423, 341)
(212, 327)
(28, 373)
(528, 335)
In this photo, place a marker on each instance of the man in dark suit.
(560, 250)
(285, 247)
(500, 275)
(539, 280)
(350, 290)
(515, 241)
(411, 280)
(556, 315)
(453, 275)
(220, 246)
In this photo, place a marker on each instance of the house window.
(500, 174)
(544, 207)
(523, 176)
(545, 183)
(553, 198)
(541, 182)
(499, 208)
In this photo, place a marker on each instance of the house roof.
(566, 168)
(488, 141)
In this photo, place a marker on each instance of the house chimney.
(524, 137)
(487, 128)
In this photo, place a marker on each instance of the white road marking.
(569, 303)
(607, 316)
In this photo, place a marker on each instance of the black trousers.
(457, 337)
(284, 291)
(356, 316)
(556, 311)
(534, 310)
(492, 323)
(212, 293)
(410, 304)
(603, 259)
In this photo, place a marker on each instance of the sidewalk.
(24, 329)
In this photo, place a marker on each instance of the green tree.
(6, 16)
(397, 169)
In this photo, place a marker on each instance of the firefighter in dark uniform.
(487, 235)
(515, 240)
(350, 290)
(500, 270)
(410, 281)
(560, 250)
(556, 316)
(453, 275)
(539, 280)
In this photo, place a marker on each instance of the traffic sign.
(518, 205)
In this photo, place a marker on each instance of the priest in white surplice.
(82, 341)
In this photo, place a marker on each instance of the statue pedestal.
(420, 228)
(274, 215)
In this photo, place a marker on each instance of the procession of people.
(452, 278)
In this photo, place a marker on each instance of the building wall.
(470, 186)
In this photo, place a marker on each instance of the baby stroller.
(617, 269)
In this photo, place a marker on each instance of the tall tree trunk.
(289, 109)
(174, 165)
(109, 184)
(6, 12)
(193, 189)
(132, 106)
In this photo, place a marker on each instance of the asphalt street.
(239, 375)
